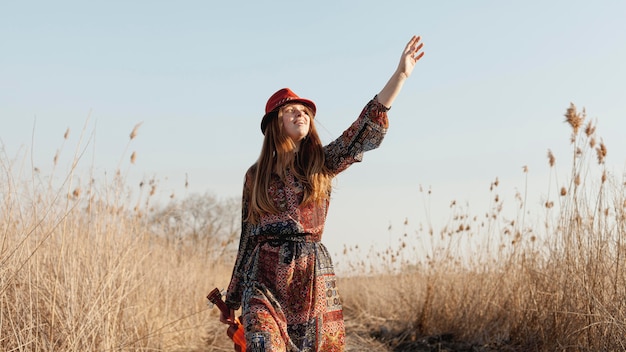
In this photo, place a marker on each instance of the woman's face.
(296, 122)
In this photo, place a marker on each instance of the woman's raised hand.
(411, 54)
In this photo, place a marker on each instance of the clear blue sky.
(487, 99)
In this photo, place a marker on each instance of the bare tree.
(202, 221)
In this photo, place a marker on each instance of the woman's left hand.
(412, 53)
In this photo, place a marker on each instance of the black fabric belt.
(277, 240)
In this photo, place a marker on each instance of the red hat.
(281, 98)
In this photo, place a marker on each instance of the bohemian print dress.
(283, 276)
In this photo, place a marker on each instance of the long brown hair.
(277, 155)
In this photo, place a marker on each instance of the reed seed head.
(67, 133)
(551, 158)
(601, 152)
(133, 157)
(590, 129)
(494, 184)
(563, 191)
(574, 119)
(133, 134)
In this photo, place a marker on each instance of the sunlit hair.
(277, 155)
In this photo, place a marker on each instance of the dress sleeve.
(366, 133)
(235, 288)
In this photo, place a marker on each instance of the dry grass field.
(99, 267)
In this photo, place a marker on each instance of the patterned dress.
(283, 276)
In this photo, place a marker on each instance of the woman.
(283, 278)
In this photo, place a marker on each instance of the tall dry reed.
(81, 268)
(100, 266)
(503, 283)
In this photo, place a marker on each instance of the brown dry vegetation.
(98, 267)
(555, 286)
(95, 268)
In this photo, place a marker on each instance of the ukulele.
(234, 331)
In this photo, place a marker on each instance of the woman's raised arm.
(411, 54)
